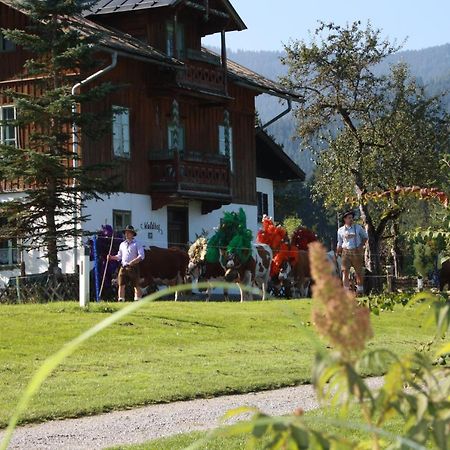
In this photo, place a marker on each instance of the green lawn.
(167, 351)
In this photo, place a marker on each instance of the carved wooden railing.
(202, 76)
(194, 172)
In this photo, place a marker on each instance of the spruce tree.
(53, 179)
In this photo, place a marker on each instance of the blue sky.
(271, 22)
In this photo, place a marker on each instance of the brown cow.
(297, 278)
(444, 275)
(163, 266)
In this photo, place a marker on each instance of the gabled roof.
(117, 6)
(127, 45)
(113, 6)
(272, 162)
(123, 43)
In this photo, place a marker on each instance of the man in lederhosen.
(130, 254)
(351, 241)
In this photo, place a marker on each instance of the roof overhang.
(230, 15)
(273, 161)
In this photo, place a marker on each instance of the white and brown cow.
(255, 271)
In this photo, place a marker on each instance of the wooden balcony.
(204, 77)
(193, 175)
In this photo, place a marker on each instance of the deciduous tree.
(371, 132)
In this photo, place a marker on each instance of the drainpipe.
(282, 114)
(75, 139)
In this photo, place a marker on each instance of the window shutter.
(121, 131)
(222, 150)
(230, 149)
(226, 145)
(117, 134)
(126, 132)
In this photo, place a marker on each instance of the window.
(8, 132)
(8, 248)
(170, 47)
(263, 205)
(121, 219)
(226, 143)
(121, 132)
(175, 138)
(6, 45)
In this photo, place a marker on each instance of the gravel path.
(151, 422)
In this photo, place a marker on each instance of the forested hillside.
(431, 66)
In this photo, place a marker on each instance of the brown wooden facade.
(203, 92)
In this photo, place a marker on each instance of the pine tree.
(54, 181)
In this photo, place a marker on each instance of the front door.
(178, 227)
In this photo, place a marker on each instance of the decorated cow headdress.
(197, 251)
(231, 236)
(276, 237)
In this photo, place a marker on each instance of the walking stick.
(106, 265)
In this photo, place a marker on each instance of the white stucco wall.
(144, 219)
(151, 225)
(265, 186)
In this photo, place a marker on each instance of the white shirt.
(130, 250)
(351, 237)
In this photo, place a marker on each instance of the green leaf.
(259, 430)
(238, 411)
(301, 437)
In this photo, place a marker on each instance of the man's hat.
(350, 212)
(130, 228)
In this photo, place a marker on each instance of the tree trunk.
(51, 231)
(372, 257)
(52, 247)
(396, 251)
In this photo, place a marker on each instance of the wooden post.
(177, 168)
(19, 299)
(419, 283)
(390, 278)
(224, 62)
(175, 27)
(206, 10)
